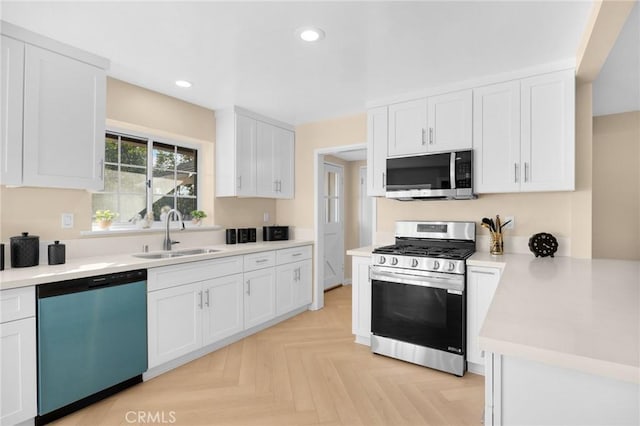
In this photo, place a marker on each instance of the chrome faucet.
(167, 243)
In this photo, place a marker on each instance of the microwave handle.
(452, 170)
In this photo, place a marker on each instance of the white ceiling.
(246, 53)
(617, 88)
(353, 155)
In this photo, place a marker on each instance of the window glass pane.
(161, 205)
(111, 148)
(133, 180)
(331, 210)
(132, 205)
(105, 202)
(186, 184)
(186, 206)
(163, 156)
(133, 151)
(330, 184)
(110, 178)
(163, 182)
(186, 159)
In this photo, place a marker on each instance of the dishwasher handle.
(90, 283)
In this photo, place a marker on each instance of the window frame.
(150, 139)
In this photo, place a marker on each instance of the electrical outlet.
(511, 224)
(67, 220)
(265, 217)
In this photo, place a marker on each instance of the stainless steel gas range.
(418, 294)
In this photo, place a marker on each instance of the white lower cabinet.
(293, 286)
(17, 356)
(482, 283)
(260, 296)
(361, 299)
(223, 308)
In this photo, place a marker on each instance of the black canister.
(1, 257)
(230, 236)
(25, 250)
(243, 235)
(251, 235)
(57, 253)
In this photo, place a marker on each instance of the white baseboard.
(475, 368)
(363, 340)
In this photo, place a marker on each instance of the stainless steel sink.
(176, 253)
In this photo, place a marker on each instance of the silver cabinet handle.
(261, 260)
(296, 254)
(249, 287)
(384, 181)
(279, 186)
(431, 135)
(473, 271)
(515, 172)
(424, 136)
(200, 299)
(526, 171)
(101, 168)
(275, 186)
(207, 300)
(239, 182)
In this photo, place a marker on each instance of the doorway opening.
(338, 214)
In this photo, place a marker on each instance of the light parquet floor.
(304, 371)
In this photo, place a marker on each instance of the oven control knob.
(394, 260)
(436, 264)
(382, 260)
(451, 267)
(414, 263)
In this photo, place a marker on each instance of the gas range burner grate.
(419, 251)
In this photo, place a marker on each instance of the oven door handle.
(456, 284)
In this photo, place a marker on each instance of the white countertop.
(581, 314)
(361, 251)
(98, 265)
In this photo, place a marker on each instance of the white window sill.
(117, 230)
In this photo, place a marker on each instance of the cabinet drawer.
(259, 260)
(293, 254)
(171, 276)
(17, 303)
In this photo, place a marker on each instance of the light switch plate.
(67, 220)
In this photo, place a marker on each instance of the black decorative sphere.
(543, 244)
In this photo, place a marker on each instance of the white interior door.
(366, 210)
(333, 221)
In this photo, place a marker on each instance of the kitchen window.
(145, 177)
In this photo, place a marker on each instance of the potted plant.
(197, 216)
(104, 218)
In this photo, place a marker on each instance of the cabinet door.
(260, 297)
(267, 185)
(449, 119)
(407, 128)
(302, 286)
(286, 277)
(284, 162)
(174, 322)
(246, 139)
(496, 137)
(11, 112)
(361, 298)
(377, 140)
(548, 132)
(17, 371)
(223, 308)
(64, 121)
(481, 286)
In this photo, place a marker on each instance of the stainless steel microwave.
(443, 175)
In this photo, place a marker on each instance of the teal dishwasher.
(92, 340)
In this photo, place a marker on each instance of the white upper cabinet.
(524, 134)
(12, 92)
(254, 156)
(496, 137)
(449, 119)
(377, 138)
(407, 128)
(274, 161)
(548, 132)
(54, 101)
(64, 121)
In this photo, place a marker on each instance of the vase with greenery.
(104, 218)
(197, 216)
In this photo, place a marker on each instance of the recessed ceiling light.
(310, 34)
(183, 83)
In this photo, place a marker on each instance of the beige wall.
(38, 210)
(616, 186)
